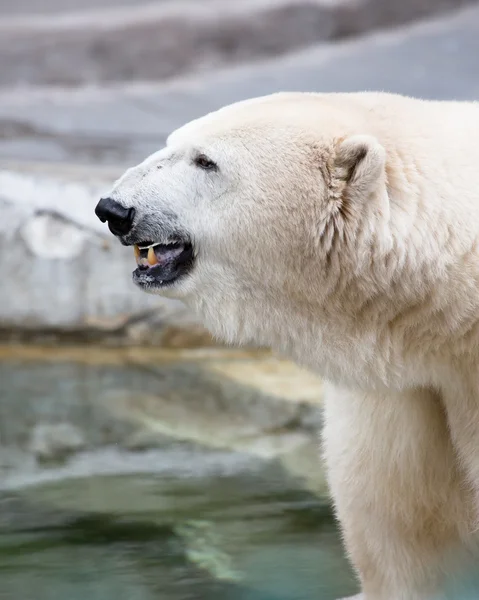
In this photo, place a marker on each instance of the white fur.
(343, 231)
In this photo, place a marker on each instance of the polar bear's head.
(252, 204)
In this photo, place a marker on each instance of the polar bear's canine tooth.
(152, 260)
(145, 258)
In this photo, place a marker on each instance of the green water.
(175, 491)
(238, 537)
(116, 508)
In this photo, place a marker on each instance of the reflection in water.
(187, 478)
(238, 537)
(195, 485)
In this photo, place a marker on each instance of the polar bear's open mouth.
(160, 265)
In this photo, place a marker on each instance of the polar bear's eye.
(205, 163)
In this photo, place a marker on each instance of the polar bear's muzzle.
(160, 263)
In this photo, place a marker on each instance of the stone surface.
(48, 7)
(150, 41)
(48, 232)
(122, 124)
(55, 442)
(66, 413)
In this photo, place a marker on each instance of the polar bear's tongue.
(158, 254)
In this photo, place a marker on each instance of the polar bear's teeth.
(141, 257)
(152, 260)
(151, 255)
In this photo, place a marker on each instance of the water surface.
(192, 486)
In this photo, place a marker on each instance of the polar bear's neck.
(394, 320)
(416, 296)
(336, 348)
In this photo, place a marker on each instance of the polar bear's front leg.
(396, 488)
(461, 400)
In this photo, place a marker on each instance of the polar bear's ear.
(359, 161)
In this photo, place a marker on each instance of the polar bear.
(342, 230)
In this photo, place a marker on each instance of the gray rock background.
(87, 89)
(124, 41)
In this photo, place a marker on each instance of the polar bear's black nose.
(120, 219)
